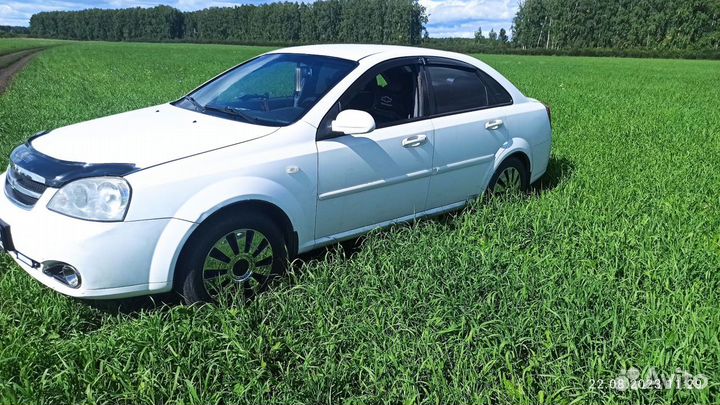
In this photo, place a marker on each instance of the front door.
(370, 179)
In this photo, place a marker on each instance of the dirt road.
(12, 63)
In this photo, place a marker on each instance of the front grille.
(21, 188)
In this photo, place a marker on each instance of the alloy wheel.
(509, 181)
(239, 263)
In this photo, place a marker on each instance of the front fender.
(223, 193)
(211, 199)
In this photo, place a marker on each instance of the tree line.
(624, 28)
(12, 31)
(156, 24)
(643, 28)
(378, 21)
(618, 24)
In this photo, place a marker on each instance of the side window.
(458, 89)
(391, 96)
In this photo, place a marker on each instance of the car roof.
(357, 52)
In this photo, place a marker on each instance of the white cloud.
(467, 30)
(127, 4)
(19, 13)
(189, 5)
(461, 18)
(448, 11)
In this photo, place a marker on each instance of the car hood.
(145, 137)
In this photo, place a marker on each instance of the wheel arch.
(523, 157)
(218, 200)
(256, 206)
(520, 149)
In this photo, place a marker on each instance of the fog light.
(63, 272)
(70, 276)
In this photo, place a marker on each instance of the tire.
(511, 177)
(214, 269)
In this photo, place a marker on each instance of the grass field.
(10, 45)
(613, 264)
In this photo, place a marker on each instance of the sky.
(456, 18)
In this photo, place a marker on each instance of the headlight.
(94, 199)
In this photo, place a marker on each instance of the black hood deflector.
(56, 173)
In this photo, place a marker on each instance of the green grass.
(613, 264)
(10, 45)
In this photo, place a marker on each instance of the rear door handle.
(495, 124)
(414, 141)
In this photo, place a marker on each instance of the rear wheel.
(231, 260)
(511, 177)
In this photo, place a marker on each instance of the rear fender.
(515, 145)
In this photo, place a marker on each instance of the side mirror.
(353, 122)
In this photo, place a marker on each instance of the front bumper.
(114, 259)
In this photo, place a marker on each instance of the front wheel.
(231, 260)
(511, 177)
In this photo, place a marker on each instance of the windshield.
(274, 89)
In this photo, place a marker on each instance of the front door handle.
(414, 141)
(495, 124)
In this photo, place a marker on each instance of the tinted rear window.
(460, 89)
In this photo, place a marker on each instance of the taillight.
(549, 113)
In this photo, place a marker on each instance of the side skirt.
(329, 240)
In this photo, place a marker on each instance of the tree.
(479, 35)
(492, 35)
(502, 37)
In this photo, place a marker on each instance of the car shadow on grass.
(558, 171)
(134, 305)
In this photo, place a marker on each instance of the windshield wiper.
(228, 110)
(232, 111)
(195, 104)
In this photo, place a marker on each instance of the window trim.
(451, 63)
(324, 132)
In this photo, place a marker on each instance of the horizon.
(447, 18)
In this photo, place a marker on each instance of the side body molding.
(223, 193)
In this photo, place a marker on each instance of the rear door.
(368, 179)
(468, 109)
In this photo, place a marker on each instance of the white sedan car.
(292, 150)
